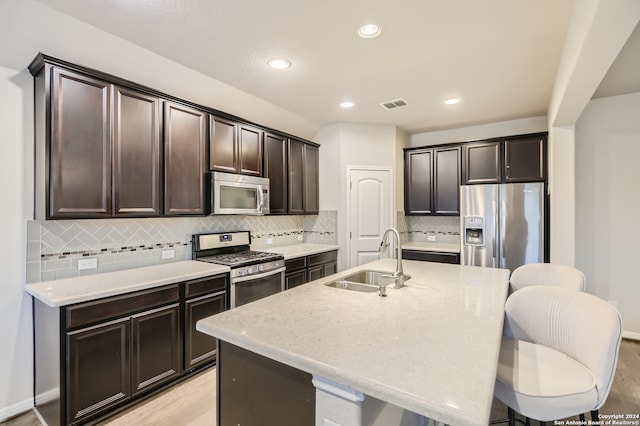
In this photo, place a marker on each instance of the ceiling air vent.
(396, 103)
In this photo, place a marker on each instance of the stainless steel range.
(254, 274)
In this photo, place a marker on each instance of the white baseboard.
(631, 335)
(15, 409)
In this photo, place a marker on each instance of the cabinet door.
(295, 278)
(275, 168)
(185, 153)
(98, 369)
(136, 154)
(310, 166)
(482, 163)
(200, 348)
(524, 160)
(250, 150)
(223, 145)
(446, 181)
(156, 347)
(329, 268)
(295, 158)
(80, 147)
(418, 182)
(316, 272)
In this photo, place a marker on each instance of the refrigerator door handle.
(493, 237)
(503, 241)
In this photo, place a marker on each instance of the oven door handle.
(237, 280)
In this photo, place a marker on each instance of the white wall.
(597, 33)
(349, 144)
(16, 175)
(484, 131)
(607, 202)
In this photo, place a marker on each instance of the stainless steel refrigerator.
(502, 226)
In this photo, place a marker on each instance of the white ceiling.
(499, 56)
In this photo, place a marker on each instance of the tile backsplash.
(54, 246)
(446, 229)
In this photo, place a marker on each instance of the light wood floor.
(193, 402)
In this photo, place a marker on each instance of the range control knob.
(260, 268)
(249, 270)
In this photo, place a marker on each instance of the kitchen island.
(429, 349)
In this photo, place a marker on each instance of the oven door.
(254, 287)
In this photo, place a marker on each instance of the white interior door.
(370, 209)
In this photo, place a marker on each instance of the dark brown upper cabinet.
(482, 162)
(79, 145)
(185, 148)
(418, 185)
(136, 154)
(250, 149)
(432, 181)
(446, 181)
(303, 177)
(275, 168)
(223, 143)
(235, 147)
(506, 160)
(525, 159)
(104, 150)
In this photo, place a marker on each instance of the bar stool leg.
(594, 415)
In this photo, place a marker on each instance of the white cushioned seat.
(534, 379)
(558, 354)
(552, 274)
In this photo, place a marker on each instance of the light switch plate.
(299, 237)
(431, 237)
(91, 263)
(269, 240)
(168, 254)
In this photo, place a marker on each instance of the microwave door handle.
(260, 198)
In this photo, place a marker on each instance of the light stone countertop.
(90, 287)
(429, 246)
(298, 250)
(430, 347)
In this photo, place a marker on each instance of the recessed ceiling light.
(279, 63)
(347, 104)
(452, 101)
(369, 30)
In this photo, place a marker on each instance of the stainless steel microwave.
(239, 194)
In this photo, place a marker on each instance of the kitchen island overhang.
(430, 348)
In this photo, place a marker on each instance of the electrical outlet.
(269, 240)
(91, 263)
(168, 254)
(431, 237)
(299, 237)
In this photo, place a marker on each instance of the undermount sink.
(346, 285)
(366, 281)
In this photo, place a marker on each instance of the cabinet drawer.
(205, 285)
(430, 256)
(316, 259)
(117, 306)
(297, 263)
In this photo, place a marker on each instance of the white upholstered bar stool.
(558, 354)
(552, 274)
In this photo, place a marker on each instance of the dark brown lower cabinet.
(199, 347)
(156, 349)
(431, 256)
(255, 390)
(302, 270)
(98, 368)
(97, 357)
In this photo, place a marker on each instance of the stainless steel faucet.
(398, 275)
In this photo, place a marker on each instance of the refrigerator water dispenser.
(474, 234)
